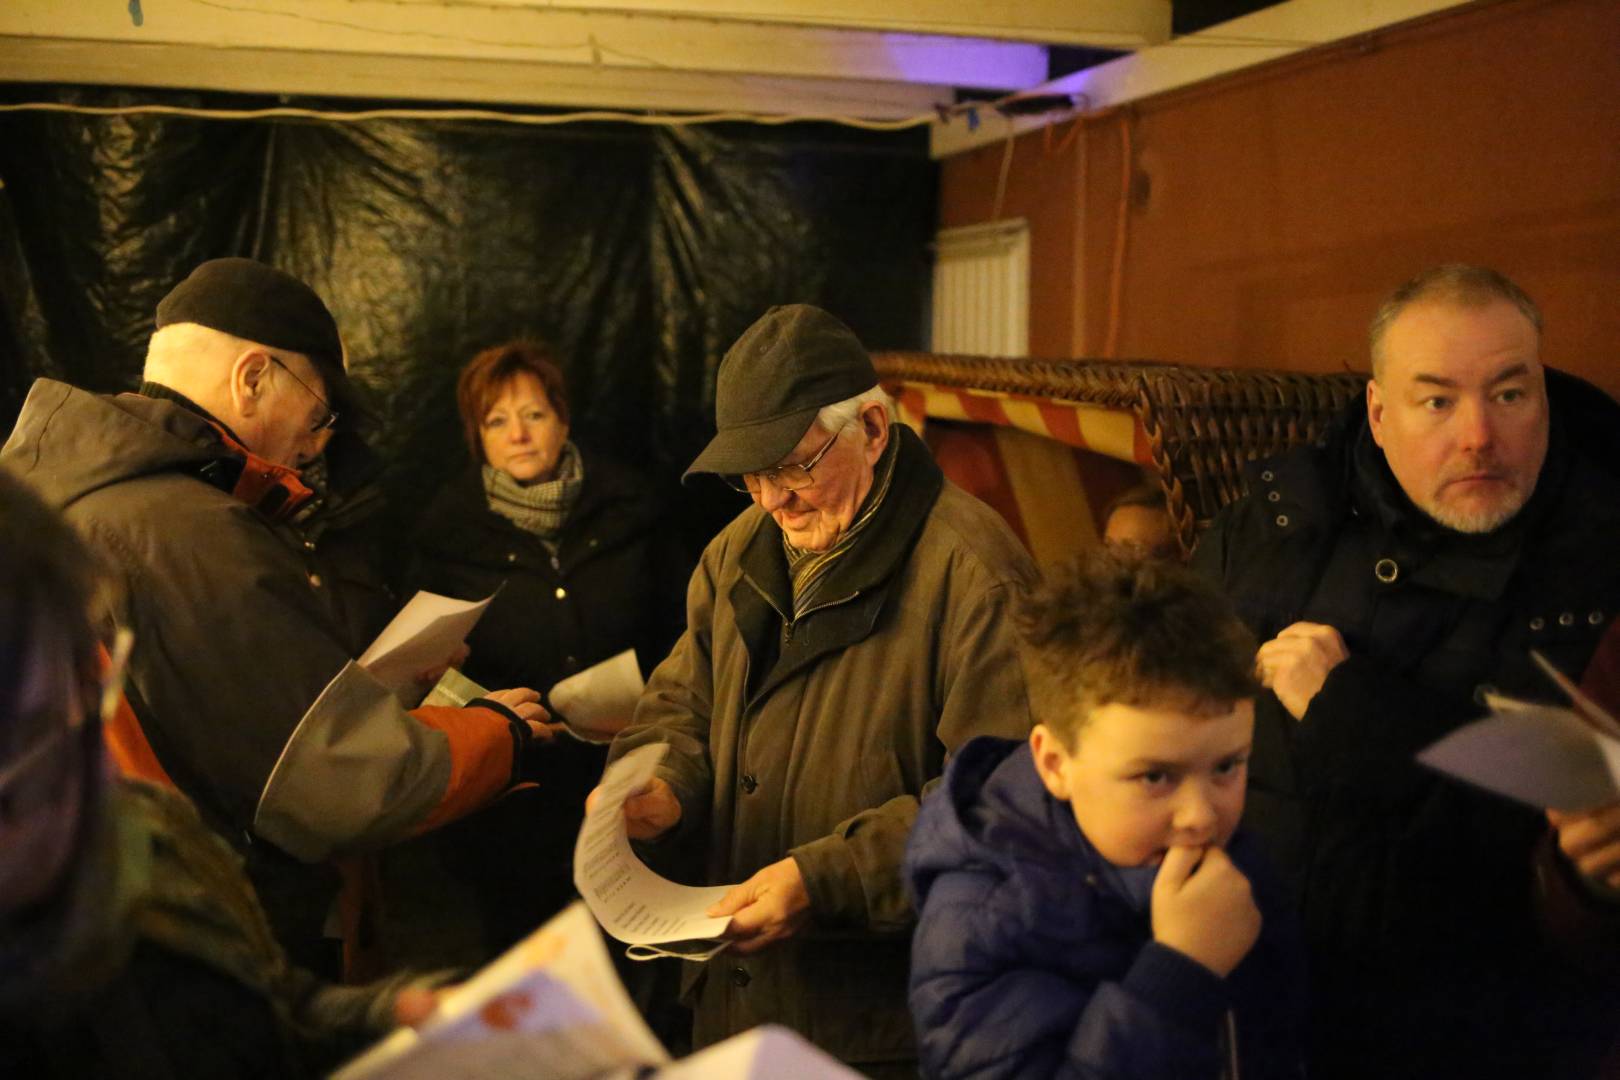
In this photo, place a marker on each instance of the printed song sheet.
(631, 902)
(424, 635)
(1545, 755)
(551, 1008)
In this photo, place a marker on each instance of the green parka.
(816, 739)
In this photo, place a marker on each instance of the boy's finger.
(1177, 867)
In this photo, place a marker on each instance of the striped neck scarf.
(541, 508)
(809, 569)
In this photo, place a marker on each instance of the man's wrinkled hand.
(649, 813)
(771, 906)
(1591, 841)
(1296, 663)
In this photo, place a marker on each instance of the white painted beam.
(285, 71)
(1231, 46)
(493, 31)
(1115, 24)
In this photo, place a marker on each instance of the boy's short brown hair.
(1110, 630)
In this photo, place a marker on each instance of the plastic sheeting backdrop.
(640, 252)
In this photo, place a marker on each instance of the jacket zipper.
(1231, 1046)
(789, 623)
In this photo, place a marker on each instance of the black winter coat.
(1420, 893)
(618, 581)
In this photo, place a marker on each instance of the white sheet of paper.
(599, 701)
(1539, 754)
(631, 902)
(758, 1053)
(552, 1007)
(425, 634)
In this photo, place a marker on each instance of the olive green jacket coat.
(816, 739)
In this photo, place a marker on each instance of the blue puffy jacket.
(1034, 957)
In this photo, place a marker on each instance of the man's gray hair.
(840, 415)
(1457, 284)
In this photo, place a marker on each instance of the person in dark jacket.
(131, 942)
(1086, 909)
(579, 548)
(246, 685)
(1466, 516)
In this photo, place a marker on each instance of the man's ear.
(874, 420)
(1050, 758)
(247, 378)
(1375, 411)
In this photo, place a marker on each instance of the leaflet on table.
(424, 635)
(1565, 758)
(594, 704)
(631, 902)
(550, 1007)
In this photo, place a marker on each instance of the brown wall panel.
(1271, 210)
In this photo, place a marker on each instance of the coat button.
(749, 784)
(1595, 618)
(1537, 623)
(1268, 476)
(1386, 570)
(1567, 619)
(315, 580)
(740, 977)
(309, 545)
(511, 556)
(1282, 521)
(1273, 496)
(561, 593)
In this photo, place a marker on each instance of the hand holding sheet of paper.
(631, 902)
(427, 633)
(598, 702)
(1539, 754)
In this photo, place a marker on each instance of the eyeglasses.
(784, 477)
(330, 419)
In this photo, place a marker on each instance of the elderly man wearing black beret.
(845, 632)
(242, 675)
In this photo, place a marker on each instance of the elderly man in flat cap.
(845, 633)
(242, 677)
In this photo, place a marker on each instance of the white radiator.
(981, 290)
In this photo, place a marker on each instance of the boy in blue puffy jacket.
(1087, 907)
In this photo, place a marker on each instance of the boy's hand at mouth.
(1203, 908)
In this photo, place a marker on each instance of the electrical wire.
(533, 119)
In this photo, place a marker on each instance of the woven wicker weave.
(1202, 424)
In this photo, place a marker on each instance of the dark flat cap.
(261, 304)
(779, 374)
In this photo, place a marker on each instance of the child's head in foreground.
(1142, 685)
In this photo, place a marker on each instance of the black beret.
(258, 303)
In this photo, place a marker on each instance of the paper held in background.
(550, 1007)
(1546, 755)
(598, 702)
(631, 902)
(424, 635)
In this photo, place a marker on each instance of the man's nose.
(1476, 428)
(770, 497)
